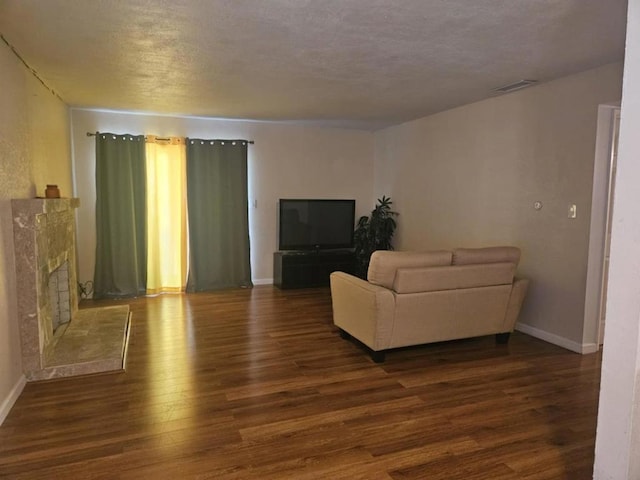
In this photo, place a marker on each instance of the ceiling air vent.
(512, 87)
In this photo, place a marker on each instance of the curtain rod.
(93, 134)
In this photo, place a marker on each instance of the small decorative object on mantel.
(52, 191)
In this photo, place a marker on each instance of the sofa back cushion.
(472, 256)
(433, 279)
(384, 263)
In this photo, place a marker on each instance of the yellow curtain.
(166, 215)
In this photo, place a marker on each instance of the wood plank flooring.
(257, 384)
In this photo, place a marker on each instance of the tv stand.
(301, 269)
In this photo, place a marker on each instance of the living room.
(499, 157)
(537, 144)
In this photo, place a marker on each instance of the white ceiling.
(358, 63)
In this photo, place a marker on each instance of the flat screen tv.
(316, 224)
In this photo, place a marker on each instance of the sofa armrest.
(362, 309)
(518, 293)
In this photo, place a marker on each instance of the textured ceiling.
(359, 63)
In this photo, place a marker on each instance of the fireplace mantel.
(34, 206)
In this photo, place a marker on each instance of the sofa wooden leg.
(377, 356)
(502, 338)
(344, 334)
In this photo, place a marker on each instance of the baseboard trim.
(588, 348)
(263, 281)
(582, 348)
(8, 402)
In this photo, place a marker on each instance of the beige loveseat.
(411, 298)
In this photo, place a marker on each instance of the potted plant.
(374, 233)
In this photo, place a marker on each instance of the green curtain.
(121, 259)
(218, 215)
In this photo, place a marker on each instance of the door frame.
(598, 227)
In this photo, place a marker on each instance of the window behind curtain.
(166, 215)
(148, 240)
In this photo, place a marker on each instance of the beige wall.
(470, 177)
(34, 151)
(286, 161)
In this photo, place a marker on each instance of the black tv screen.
(316, 224)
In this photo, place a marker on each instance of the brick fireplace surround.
(58, 339)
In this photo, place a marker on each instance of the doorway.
(607, 242)
(600, 230)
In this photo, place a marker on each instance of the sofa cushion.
(469, 256)
(433, 279)
(384, 263)
(448, 314)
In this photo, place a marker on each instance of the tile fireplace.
(57, 338)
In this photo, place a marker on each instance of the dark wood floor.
(257, 384)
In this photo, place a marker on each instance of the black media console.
(310, 269)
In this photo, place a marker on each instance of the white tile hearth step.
(95, 341)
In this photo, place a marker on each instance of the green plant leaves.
(374, 233)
